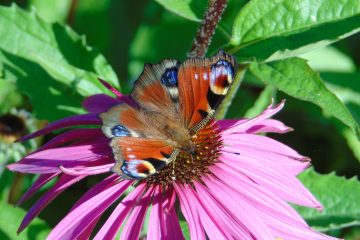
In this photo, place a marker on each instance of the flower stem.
(71, 14)
(223, 108)
(206, 31)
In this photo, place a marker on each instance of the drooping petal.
(156, 220)
(209, 222)
(87, 170)
(173, 230)
(191, 214)
(117, 217)
(222, 215)
(77, 120)
(99, 103)
(94, 205)
(39, 183)
(62, 184)
(75, 137)
(132, 228)
(239, 207)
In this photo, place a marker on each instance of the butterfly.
(173, 102)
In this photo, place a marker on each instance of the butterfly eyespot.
(170, 78)
(221, 76)
(120, 131)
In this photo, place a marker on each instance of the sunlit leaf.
(275, 29)
(49, 61)
(339, 197)
(294, 77)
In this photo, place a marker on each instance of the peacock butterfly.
(174, 101)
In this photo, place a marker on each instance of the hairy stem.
(71, 14)
(207, 28)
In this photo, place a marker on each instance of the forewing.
(203, 84)
(157, 87)
(137, 158)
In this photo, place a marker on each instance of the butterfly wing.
(137, 150)
(203, 84)
(157, 87)
(137, 158)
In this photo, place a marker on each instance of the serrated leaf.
(185, 229)
(269, 30)
(33, 49)
(10, 218)
(294, 77)
(339, 196)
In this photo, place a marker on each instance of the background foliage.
(306, 52)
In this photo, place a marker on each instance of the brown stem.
(207, 29)
(71, 15)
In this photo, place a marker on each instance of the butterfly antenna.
(173, 170)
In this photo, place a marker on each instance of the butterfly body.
(173, 102)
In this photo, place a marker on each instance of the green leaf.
(263, 101)
(185, 229)
(329, 59)
(339, 197)
(52, 10)
(276, 29)
(346, 87)
(10, 218)
(195, 9)
(294, 77)
(189, 9)
(51, 63)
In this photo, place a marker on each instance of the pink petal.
(132, 228)
(111, 88)
(117, 217)
(238, 207)
(211, 225)
(62, 184)
(275, 161)
(265, 126)
(156, 220)
(284, 186)
(222, 216)
(250, 191)
(121, 97)
(241, 126)
(77, 220)
(191, 214)
(99, 103)
(74, 137)
(269, 126)
(173, 230)
(85, 170)
(40, 182)
(77, 120)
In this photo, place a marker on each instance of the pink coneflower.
(239, 188)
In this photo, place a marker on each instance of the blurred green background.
(131, 33)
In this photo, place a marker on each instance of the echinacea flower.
(237, 186)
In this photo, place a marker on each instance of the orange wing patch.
(203, 83)
(138, 158)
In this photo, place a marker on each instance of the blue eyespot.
(120, 131)
(223, 67)
(169, 78)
